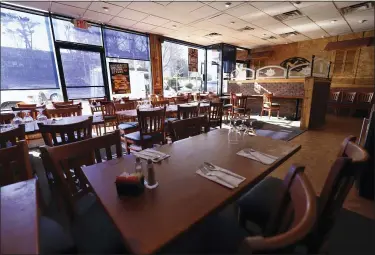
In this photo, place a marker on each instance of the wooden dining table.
(183, 198)
(169, 109)
(19, 218)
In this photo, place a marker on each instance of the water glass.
(28, 120)
(17, 120)
(41, 117)
(233, 135)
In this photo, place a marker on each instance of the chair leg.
(269, 113)
(261, 112)
(278, 113)
(127, 148)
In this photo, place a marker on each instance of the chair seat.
(136, 136)
(272, 105)
(110, 118)
(170, 119)
(227, 106)
(128, 125)
(257, 204)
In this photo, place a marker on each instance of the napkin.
(233, 182)
(151, 154)
(258, 156)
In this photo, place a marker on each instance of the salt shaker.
(151, 182)
(138, 165)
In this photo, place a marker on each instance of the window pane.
(214, 70)
(140, 75)
(90, 92)
(27, 57)
(65, 31)
(176, 74)
(126, 45)
(81, 68)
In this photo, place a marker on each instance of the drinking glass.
(17, 120)
(233, 134)
(41, 117)
(28, 120)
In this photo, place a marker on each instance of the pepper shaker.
(151, 182)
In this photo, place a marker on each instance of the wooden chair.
(66, 161)
(186, 112)
(33, 111)
(153, 98)
(69, 102)
(239, 104)
(347, 102)
(24, 105)
(15, 164)
(125, 99)
(364, 101)
(6, 118)
(334, 100)
(12, 136)
(181, 129)
(215, 114)
(92, 100)
(180, 100)
(62, 106)
(293, 217)
(55, 135)
(126, 124)
(109, 115)
(64, 112)
(269, 106)
(198, 96)
(160, 103)
(160, 98)
(151, 130)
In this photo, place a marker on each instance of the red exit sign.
(82, 24)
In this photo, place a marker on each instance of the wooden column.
(156, 64)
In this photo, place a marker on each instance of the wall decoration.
(294, 61)
(267, 72)
(193, 60)
(120, 78)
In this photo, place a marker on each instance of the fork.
(211, 167)
(250, 151)
(207, 172)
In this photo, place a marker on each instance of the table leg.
(297, 106)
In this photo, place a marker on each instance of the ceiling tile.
(79, 4)
(355, 18)
(303, 24)
(97, 16)
(254, 15)
(172, 25)
(144, 26)
(266, 21)
(298, 38)
(241, 10)
(222, 19)
(112, 9)
(279, 28)
(342, 4)
(45, 5)
(184, 7)
(120, 3)
(303, 4)
(319, 33)
(337, 28)
(162, 31)
(133, 15)
(203, 12)
(147, 7)
(153, 20)
(321, 11)
(67, 10)
(221, 5)
(121, 22)
(201, 32)
(166, 2)
(274, 8)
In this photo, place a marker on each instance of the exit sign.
(82, 24)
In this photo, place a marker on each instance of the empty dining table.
(183, 198)
(19, 218)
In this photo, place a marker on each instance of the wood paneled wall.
(156, 63)
(358, 71)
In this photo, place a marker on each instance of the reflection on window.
(213, 70)
(125, 45)
(27, 58)
(176, 75)
(65, 31)
(82, 69)
(140, 75)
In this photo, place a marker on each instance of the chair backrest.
(15, 164)
(33, 111)
(108, 108)
(6, 118)
(348, 97)
(91, 100)
(160, 97)
(153, 98)
(267, 99)
(180, 100)
(160, 103)
(23, 105)
(125, 99)
(215, 111)
(334, 96)
(238, 101)
(186, 112)
(365, 97)
(293, 216)
(62, 106)
(198, 96)
(12, 136)
(66, 162)
(69, 102)
(151, 122)
(54, 135)
(64, 112)
(181, 129)
(130, 105)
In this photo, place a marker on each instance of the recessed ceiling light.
(362, 21)
(297, 2)
(228, 4)
(264, 34)
(333, 21)
(105, 8)
(323, 36)
(292, 34)
(232, 22)
(174, 26)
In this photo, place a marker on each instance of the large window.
(176, 75)
(28, 68)
(123, 47)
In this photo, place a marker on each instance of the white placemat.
(258, 156)
(151, 154)
(230, 180)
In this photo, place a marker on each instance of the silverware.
(207, 172)
(211, 167)
(264, 154)
(250, 151)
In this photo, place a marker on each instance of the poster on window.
(120, 78)
(193, 60)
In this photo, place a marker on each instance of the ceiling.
(192, 21)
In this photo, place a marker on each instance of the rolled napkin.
(223, 176)
(257, 156)
(154, 155)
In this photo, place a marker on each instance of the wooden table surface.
(275, 97)
(169, 109)
(19, 218)
(183, 198)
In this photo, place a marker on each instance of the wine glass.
(17, 120)
(233, 134)
(41, 117)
